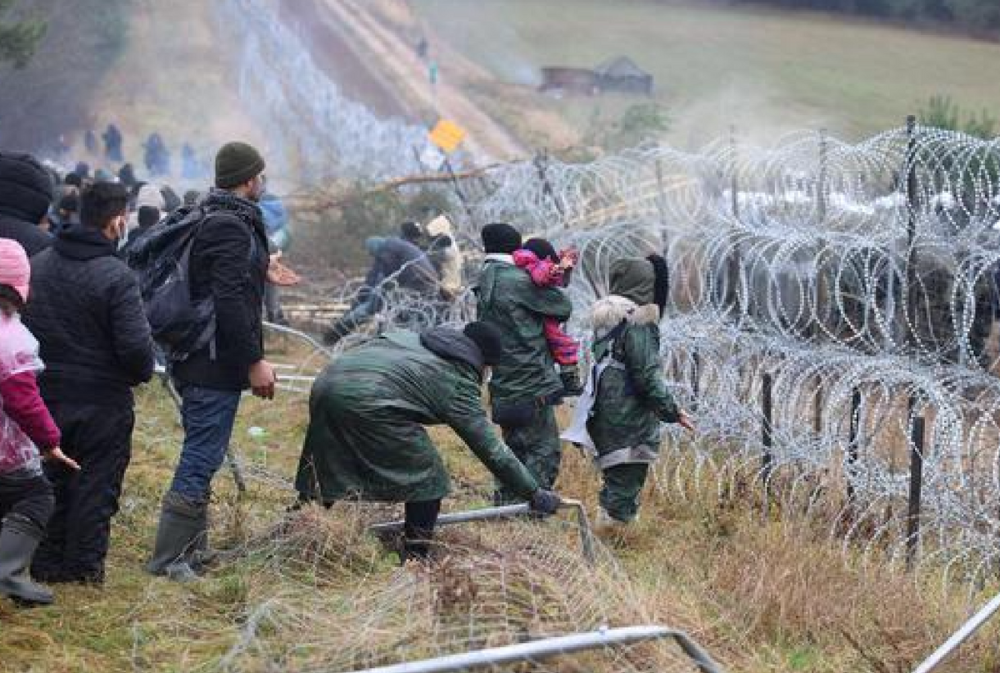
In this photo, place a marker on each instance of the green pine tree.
(19, 39)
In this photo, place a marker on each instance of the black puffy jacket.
(31, 237)
(25, 195)
(229, 260)
(86, 312)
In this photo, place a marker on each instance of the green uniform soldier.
(367, 410)
(619, 415)
(525, 386)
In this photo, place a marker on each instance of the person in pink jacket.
(27, 436)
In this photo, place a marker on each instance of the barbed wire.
(858, 279)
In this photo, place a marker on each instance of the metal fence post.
(917, 423)
(916, 485)
(732, 289)
(767, 429)
(853, 442)
(821, 178)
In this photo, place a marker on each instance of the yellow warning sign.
(447, 135)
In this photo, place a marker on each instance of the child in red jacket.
(27, 432)
(550, 269)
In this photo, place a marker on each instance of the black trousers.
(99, 438)
(29, 497)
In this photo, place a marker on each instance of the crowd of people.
(81, 327)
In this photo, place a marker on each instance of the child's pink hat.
(14, 267)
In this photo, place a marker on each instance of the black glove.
(572, 385)
(545, 502)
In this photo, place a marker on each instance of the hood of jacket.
(609, 312)
(150, 195)
(634, 278)
(451, 344)
(83, 243)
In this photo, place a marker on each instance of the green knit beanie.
(237, 163)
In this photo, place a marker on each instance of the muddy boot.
(183, 526)
(19, 538)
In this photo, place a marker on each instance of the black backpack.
(161, 261)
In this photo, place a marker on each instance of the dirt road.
(403, 71)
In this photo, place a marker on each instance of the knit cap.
(500, 238)
(237, 163)
(14, 267)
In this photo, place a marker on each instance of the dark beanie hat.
(148, 216)
(237, 163)
(70, 203)
(25, 187)
(500, 238)
(411, 231)
(542, 249)
(488, 339)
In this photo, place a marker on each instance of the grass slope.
(766, 72)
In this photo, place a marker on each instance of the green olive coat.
(367, 411)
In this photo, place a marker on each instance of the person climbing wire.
(396, 265)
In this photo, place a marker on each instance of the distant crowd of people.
(100, 276)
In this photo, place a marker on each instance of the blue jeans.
(208, 417)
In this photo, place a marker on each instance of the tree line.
(974, 15)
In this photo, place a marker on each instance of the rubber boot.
(182, 528)
(418, 530)
(19, 538)
(203, 556)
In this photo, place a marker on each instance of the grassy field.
(765, 72)
(761, 595)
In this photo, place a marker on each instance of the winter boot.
(203, 556)
(182, 529)
(19, 538)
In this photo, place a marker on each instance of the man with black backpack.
(227, 267)
(88, 317)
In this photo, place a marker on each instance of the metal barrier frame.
(968, 629)
(553, 647)
(507, 512)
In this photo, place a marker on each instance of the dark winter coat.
(87, 315)
(631, 397)
(229, 260)
(31, 237)
(396, 256)
(366, 416)
(25, 196)
(509, 300)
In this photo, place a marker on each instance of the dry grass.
(312, 588)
